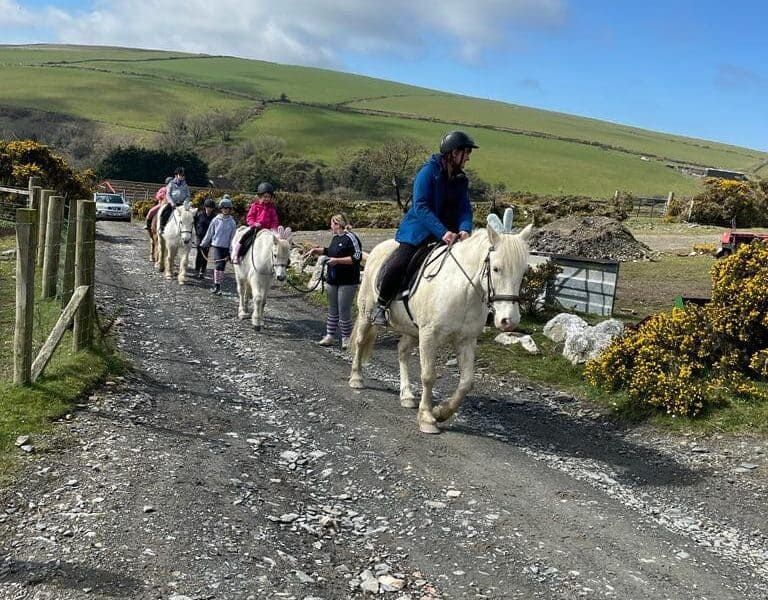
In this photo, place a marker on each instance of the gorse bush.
(725, 202)
(689, 360)
(20, 160)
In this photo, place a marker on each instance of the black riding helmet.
(265, 188)
(456, 139)
(209, 203)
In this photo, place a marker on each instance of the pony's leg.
(160, 250)
(170, 257)
(404, 347)
(259, 293)
(465, 352)
(183, 264)
(242, 295)
(425, 418)
(361, 347)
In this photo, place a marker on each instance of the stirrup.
(379, 316)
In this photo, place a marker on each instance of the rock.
(391, 584)
(509, 338)
(559, 327)
(22, 440)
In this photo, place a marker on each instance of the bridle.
(275, 262)
(178, 223)
(485, 272)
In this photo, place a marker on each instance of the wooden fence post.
(670, 199)
(26, 243)
(34, 182)
(34, 199)
(52, 246)
(68, 277)
(42, 225)
(85, 262)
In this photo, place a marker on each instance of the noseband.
(492, 295)
(486, 272)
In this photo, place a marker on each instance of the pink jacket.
(264, 214)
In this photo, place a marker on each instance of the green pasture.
(523, 163)
(47, 53)
(109, 98)
(499, 114)
(268, 80)
(132, 92)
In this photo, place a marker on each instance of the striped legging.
(340, 298)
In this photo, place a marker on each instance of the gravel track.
(232, 464)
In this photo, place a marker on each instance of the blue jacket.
(439, 205)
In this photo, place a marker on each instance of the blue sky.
(684, 67)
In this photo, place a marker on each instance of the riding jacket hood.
(264, 214)
(439, 205)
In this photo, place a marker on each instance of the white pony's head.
(186, 217)
(507, 263)
(281, 252)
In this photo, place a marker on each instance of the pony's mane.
(512, 245)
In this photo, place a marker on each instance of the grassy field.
(135, 91)
(523, 163)
(32, 410)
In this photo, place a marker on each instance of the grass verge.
(33, 410)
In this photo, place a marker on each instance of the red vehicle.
(730, 240)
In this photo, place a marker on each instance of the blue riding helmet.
(225, 202)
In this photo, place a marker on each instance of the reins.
(485, 272)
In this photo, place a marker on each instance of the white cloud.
(308, 32)
(12, 14)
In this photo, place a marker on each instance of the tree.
(396, 161)
(143, 164)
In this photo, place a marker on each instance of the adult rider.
(441, 211)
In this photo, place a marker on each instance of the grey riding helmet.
(225, 202)
(265, 188)
(456, 139)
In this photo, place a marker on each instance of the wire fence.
(48, 256)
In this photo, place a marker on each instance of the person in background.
(177, 194)
(217, 240)
(203, 220)
(441, 211)
(342, 280)
(160, 197)
(261, 215)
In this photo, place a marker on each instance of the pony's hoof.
(257, 327)
(430, 428)
(242, 316)
(441, 414)
(356, 383)
(407, 402)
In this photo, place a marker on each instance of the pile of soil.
(590, 237)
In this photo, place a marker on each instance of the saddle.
(413, 274)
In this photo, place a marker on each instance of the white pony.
(458, 286)
(176, 237)
(266, 260)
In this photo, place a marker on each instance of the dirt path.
(230, 464)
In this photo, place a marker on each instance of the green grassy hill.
(316, 111)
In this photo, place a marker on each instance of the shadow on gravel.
(543, 428)
(72, 576)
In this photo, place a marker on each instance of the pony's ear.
(493, 236)
(509, 216)
(494, 222)
(526, 233)
(287, 234)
